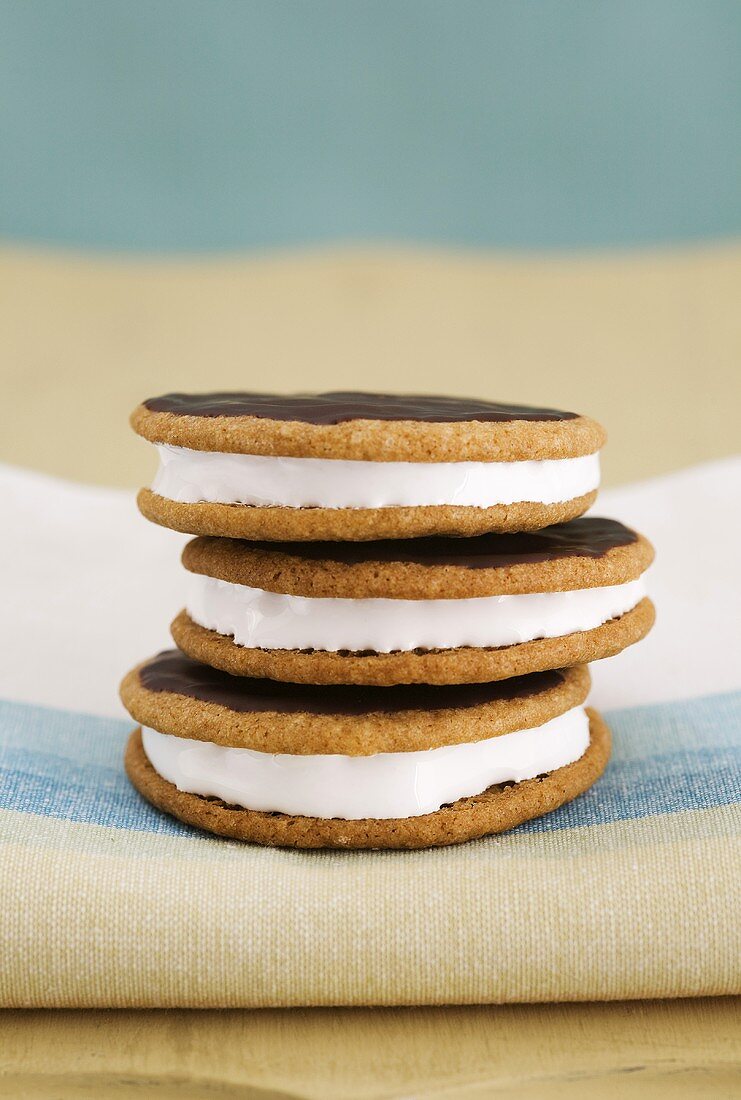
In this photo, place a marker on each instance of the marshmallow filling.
(272, 620)
(384, 785)
(191, 477)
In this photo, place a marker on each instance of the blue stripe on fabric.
(710, 722)
(668, 758)
(664, 784)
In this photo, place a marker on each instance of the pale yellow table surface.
(649, 344)
(667, 1050)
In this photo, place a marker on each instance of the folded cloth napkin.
(631, 891)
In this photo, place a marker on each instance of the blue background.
(224, 124)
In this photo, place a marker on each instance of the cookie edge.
(375, 440)
(302, 732)
(239, 562)
(462, 665)
(496, 810)
(279, 524)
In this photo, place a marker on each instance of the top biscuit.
(173, 694)
(589, 552)
(366, 427)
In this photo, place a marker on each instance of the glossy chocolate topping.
(590, 536)
(173, 671)
(336, 408)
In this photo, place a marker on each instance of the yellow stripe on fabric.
(42, 832)
(279, 929)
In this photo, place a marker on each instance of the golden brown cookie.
(233, 465)
(494, 811)
(463, 665)
(365, 427)
(278, 524)
(232, 627)
(590, 552)
(173, 694)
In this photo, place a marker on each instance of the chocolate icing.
(336, 408)
(173, 671)
(590, 536)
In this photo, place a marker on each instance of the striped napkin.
(631, 891)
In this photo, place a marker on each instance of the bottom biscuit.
(494, 811)
(464, 665)
(274, 523)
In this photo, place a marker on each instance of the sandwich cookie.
(358, 466)
(429, 610)
(349, 767)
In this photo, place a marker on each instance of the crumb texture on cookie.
(583, 553)
(494, 811)
(174, 694)
(277, 524)
(372, 427)
(462, 665)
(172, 671)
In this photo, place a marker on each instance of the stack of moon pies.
(391, 605)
